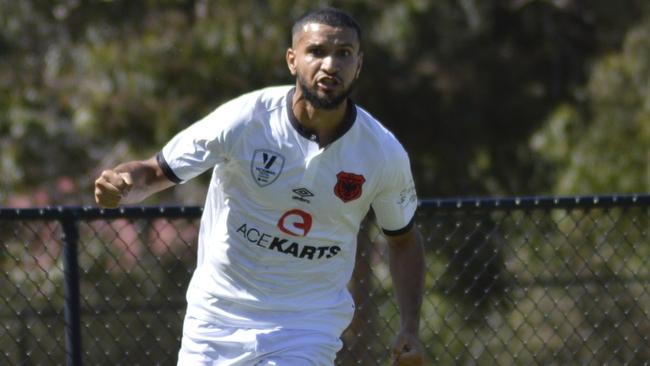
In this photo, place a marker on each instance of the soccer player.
(295, 170)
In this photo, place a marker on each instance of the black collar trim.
(348, 120)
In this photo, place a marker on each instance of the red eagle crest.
(348, 186)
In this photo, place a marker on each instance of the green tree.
(602, 144)
(468, 86)
(463, 84)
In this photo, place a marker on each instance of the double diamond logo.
(301, 194)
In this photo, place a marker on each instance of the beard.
(327, 102)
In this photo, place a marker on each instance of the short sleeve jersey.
(277, 241)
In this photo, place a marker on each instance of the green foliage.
(463, 84)
(602, 145)
(489, 97)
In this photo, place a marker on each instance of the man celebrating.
(295, 170)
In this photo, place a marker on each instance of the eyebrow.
(338, 45)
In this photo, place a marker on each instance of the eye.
(345, 52)
(316, 51)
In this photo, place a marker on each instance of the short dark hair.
(329, 16)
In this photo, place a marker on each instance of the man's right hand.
(111, 187)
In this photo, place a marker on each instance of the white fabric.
(268, 256)
(206, 344)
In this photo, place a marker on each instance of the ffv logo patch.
(266, 166)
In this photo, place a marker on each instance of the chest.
(334, 183)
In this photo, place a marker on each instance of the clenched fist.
(407, 351)
(111, 187)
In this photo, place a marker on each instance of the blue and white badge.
(266, 166)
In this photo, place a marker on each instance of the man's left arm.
(406, 260)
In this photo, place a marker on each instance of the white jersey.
(277, 241)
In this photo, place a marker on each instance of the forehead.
(318, 33)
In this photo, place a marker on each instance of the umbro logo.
(301, 194)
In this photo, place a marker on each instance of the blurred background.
(490, 97)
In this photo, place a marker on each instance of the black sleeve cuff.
(401, 231)
(166, 169)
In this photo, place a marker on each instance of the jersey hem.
(333, 325)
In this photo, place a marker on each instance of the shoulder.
(240, 110)
(374, 133)
(268, 98)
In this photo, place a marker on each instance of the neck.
(324, 122)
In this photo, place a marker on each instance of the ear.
(291, 60)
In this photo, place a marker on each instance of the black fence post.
(71, 287)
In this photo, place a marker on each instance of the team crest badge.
(348, 186)
(266, 166)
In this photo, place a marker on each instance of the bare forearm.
(407, 270)
(130, 183)
(147, 180)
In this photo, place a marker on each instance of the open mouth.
(328, 83)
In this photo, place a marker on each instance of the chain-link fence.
(548, 281)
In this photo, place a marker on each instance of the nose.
(329, 64)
